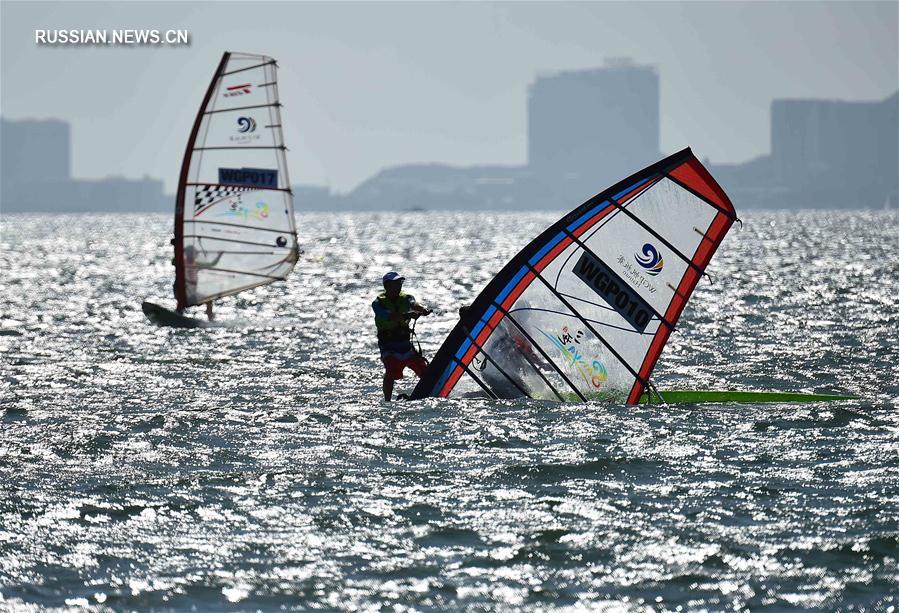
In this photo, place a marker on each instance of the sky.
(368, 85)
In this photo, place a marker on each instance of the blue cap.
(393, 276)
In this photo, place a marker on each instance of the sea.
(255, 466)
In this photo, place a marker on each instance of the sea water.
(254, 465)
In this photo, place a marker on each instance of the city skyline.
(360, 99)
(815, 143)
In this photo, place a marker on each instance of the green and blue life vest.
(384, 307)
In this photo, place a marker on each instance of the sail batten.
(248, 68)
(234, 187)
(595, 297)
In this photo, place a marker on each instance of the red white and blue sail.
(584, 311)
(234, 223)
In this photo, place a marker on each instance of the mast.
(180, 294)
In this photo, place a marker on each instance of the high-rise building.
(35, 150)
(834, 144)
(591, 127)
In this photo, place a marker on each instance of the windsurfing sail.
(234, 225)
(584, 311)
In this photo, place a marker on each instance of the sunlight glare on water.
(253, 465)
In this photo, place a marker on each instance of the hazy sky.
(368, 85)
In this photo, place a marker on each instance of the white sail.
(234, 224)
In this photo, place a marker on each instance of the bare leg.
(209, 314)
(388, 388)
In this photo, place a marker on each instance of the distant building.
(312, 198)
(592, 127)
(819, 146)
(114, 194)
(121, 194)
(36, 175)
(586, 129)
(824, 154)
(35, 150)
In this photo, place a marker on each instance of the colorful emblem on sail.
(651, 260)
(593, 371)
(260, 212)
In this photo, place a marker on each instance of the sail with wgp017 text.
(234, 223)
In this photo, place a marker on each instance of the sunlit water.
(253, 465)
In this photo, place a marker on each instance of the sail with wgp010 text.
(584, 311)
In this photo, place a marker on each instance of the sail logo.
(238, 90)
(593, 371)
(634, 275)
(245, 128)
(246, 124)
(651, 260)
(260, 211)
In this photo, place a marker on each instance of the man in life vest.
(191, 270)
(393, 310)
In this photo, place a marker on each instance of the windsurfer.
(393, 310)
(191, 268)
